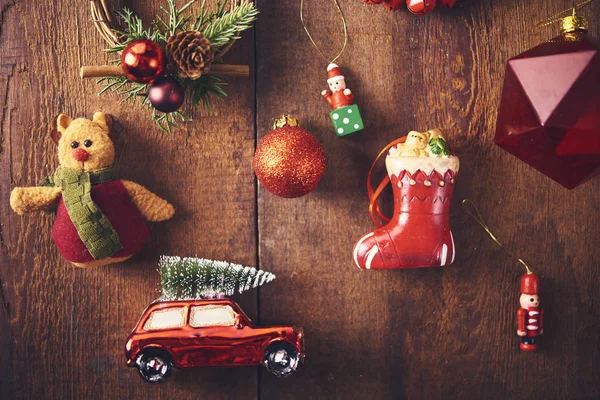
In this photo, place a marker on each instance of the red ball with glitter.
(289, 161)
(143, 61)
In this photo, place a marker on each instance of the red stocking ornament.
(421, 169)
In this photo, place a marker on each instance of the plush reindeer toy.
(99, 218)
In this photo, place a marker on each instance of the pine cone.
(190, 54)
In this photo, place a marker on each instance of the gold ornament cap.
(285, 120)
(573, 23)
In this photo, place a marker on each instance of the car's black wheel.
(154, 365)
(281, 359)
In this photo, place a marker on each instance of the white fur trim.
(444, 255)
(368, 235)
(370, 255)
(335, 78)
(396, 164)
(453, 248)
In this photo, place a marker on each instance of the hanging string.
(560, 15)
(337, 4)
(476, 215)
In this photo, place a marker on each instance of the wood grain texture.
(68, 326)
(433, 333)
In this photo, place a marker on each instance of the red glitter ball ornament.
(289, 161)
(143, 61)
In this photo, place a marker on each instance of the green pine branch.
(220, 26)
(190, 278)
(177, 22)
(205, 16)
(225, 28)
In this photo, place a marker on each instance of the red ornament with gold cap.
(530, 314)
(289, 161)
(422, 170)
(143, 61)
(549, 115)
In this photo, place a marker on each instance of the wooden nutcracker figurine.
(530, 315)
(345, 116)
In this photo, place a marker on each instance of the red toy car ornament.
(208, 333)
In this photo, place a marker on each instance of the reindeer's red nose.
(80, 155)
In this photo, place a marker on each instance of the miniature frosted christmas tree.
(196, 278)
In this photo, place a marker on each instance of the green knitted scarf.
(93, 228)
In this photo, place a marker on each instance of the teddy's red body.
(112, 198)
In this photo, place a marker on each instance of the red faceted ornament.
(143, 61)
(549, 115)
(166, 95)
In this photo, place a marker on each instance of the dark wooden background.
(418, 334)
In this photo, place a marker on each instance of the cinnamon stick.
(99, 71)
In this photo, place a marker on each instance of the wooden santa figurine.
(530, 315)
(345, 116)
(340, 95)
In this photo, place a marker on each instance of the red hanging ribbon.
(374, 210)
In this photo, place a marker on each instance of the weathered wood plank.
(392, 334)
(68, 325)
(425, 333)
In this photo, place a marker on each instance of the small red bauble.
(420, 7)
(143, 61)
(166, 95)
(448, 3)
(289, 161)
(392, 5)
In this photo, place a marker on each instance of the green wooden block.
(346, 120)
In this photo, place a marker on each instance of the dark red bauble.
(143, 61)
(393, 5)
(420, 7)
(289, 162)
(448, 3)
(166, 95)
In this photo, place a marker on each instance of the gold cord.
(337, 4)
(477, 217)
(558, 16)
